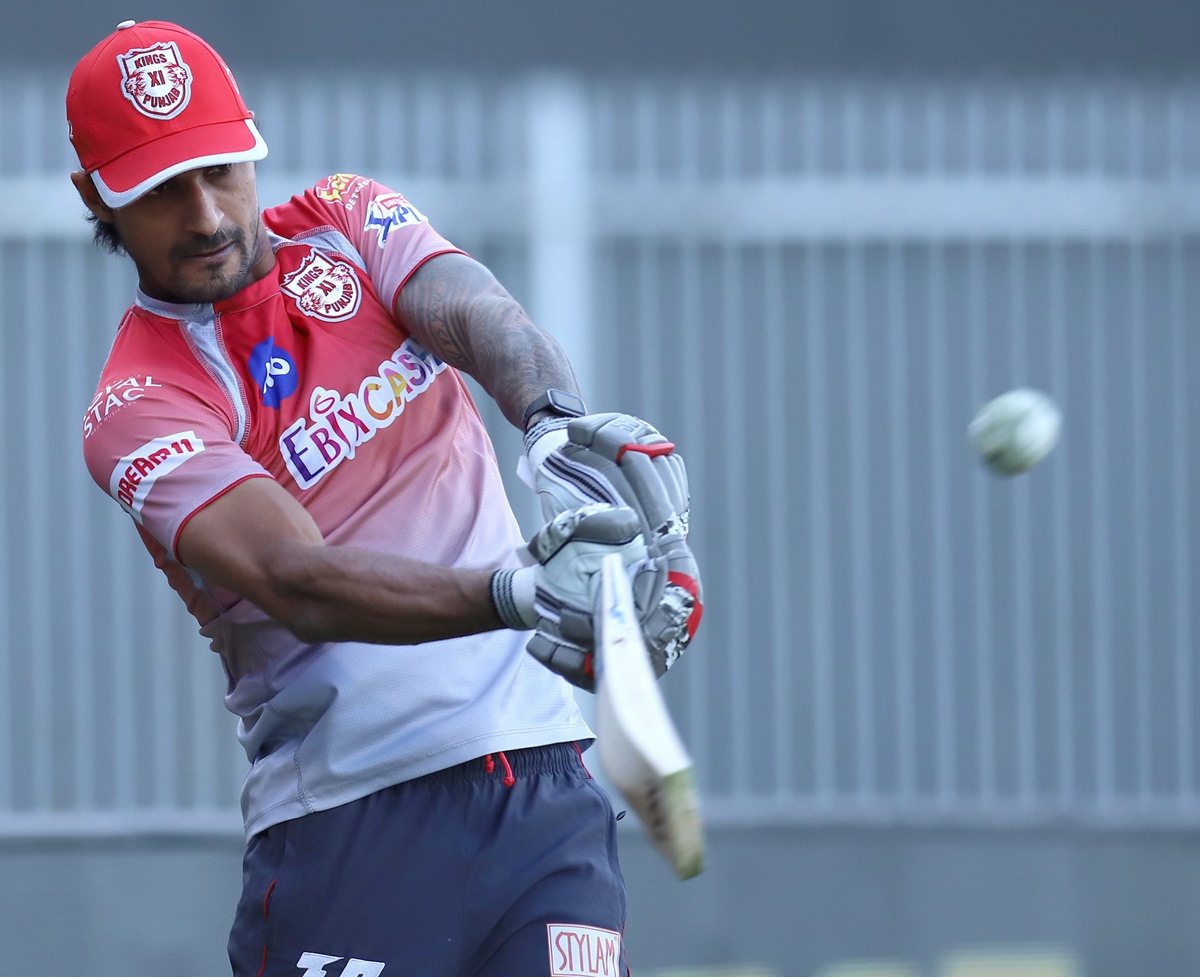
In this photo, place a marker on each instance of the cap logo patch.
(156, 80)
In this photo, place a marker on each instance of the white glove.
(623, 460)
(559, 593)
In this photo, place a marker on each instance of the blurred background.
(944, 723)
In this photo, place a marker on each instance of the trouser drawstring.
(490, 765)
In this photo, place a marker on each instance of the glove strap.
(541, 440)
(512, 593)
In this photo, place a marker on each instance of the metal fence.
(810, 285)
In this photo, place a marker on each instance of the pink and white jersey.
(305, 377)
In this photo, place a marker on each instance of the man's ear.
(91, 196)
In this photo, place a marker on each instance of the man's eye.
(223, 170)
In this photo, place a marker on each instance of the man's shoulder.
(329, 200)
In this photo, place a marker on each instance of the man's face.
(198, 237)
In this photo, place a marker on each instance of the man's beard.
(220, 281)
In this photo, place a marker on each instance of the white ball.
(1016, 430)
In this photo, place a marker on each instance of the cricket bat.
(640, 750)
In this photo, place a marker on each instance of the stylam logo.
(314, 964)
(583, 951)
(136, 473)
(338, 423)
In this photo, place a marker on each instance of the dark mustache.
(206, 245)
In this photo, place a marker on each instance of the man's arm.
(260, 543)
(457, 310)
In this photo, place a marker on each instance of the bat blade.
(640, 749)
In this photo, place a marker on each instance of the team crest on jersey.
(156, 80)
(324, 289)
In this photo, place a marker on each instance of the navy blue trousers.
(505, 866)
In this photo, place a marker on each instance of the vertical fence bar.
(1063, 571)
(8, 642)
(1026, 731)
(561, 218)
(857, 391)
(699, 667)
(1026, 716)
(779, 502)
(942, 583)
(37, 534)
(81, 596)
(739, 596)
(780, 505)
(1101, 589)
(1101, 576)
(824, 743)
(651, 361)
(1141, 650)
(981, 530)
(898, 342)
(37, 559)
(1064, 576)
(1181, 494)
(737, 464)
(118, 598)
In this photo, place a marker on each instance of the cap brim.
(128, 177)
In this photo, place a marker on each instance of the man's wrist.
(553, 402)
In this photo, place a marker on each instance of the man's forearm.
(455, 307)
(339, 593)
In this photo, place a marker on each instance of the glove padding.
(623, 460)
(559, 594)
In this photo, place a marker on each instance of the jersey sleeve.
(382, 227)
(162, 452)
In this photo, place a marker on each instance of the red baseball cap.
(152, 100)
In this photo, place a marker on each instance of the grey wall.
(794, 903)
(922, 36)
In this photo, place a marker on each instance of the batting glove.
(558, 594)
(623, 460)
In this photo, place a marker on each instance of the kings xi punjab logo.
(157, 81)
(324, 289)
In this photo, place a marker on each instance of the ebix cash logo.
(340, 423)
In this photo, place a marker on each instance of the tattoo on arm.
(454, 307)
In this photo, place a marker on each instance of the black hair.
(104, 235)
